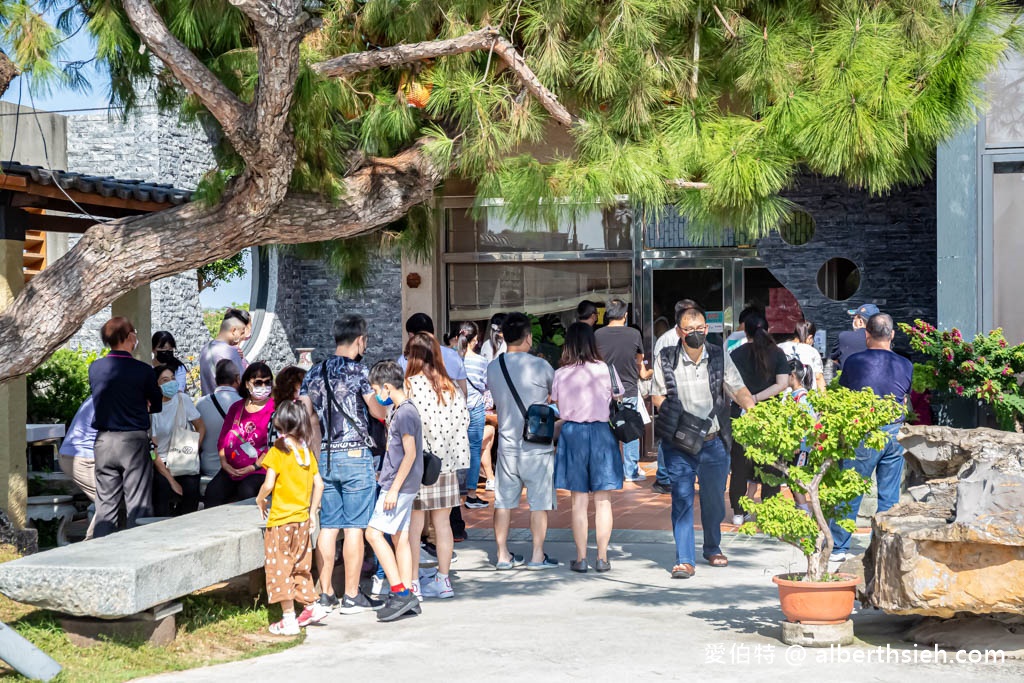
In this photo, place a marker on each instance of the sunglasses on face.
(262, 382)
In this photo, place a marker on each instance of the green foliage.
(830, 430)
(985, 368)
(663, 91)
(58, 387)
(219, 272)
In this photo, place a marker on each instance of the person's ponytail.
(763, 346)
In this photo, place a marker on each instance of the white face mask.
(260, 393)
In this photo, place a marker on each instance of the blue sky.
(81, 47)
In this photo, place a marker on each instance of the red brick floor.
(635, 507)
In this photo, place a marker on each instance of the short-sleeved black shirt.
(743, 357)
(619, 346)
(124, 393)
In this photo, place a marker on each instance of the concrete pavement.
(633, 623)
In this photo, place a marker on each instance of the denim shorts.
(350, 489)
(588, 458)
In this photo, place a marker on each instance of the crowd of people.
(379, 455)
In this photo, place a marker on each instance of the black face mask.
(165, 357)
(695, 340)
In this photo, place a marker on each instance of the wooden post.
(13, 404)
(137, 306)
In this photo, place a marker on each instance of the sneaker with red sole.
(313, 614)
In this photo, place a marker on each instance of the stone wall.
(158, 148)
(891, 238)
(308, 303)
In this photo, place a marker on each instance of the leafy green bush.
(985, 368)
(59, 386)
(838, 422)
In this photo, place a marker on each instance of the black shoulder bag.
(539, 420)
(431, 463)
(674, 424)
(627, 424)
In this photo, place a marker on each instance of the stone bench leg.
(155, 626)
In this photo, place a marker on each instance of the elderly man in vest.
(693, 381)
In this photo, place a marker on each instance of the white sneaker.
(438, 588)
(737, 519)
(489, 486)
(285, 627)
(839, 557)
(379, 588)
(416, 590)
(427, 574)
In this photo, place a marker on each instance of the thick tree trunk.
(8, 72)
(116, 257)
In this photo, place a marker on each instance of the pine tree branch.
(725, 23)
(486, 38)
(189, 70)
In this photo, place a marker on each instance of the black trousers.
(743, 471)
(223, 489)
(167, 503)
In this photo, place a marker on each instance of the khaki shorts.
(535, 471)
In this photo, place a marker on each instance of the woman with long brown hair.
(445, 418)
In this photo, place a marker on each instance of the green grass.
(212, 628)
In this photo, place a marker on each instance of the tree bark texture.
(8, 72)
(116, 257)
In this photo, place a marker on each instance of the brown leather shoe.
(683, 571)
(718, 560)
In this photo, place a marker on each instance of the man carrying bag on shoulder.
(693, 381)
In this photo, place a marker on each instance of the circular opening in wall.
(798, 229)
(839, 278)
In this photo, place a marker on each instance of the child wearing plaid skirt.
(294, 483)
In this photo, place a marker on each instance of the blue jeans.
(712, 468)
(477, 418)
(888, 466)
(662, 476)
(631, 450)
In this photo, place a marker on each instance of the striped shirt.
(476, 379)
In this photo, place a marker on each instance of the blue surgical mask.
(170, 389)
(384, 401)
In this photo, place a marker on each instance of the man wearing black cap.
(855, 340)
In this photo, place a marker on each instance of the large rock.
(959, 548)
(135, 570)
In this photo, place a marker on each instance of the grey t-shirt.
(214, 352)
(619, 346)
(532, 377)
(404, 420)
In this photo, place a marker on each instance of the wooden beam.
(23, 200)
(25, 185)
(50, 223)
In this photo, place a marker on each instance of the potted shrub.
(966, 376)
(805, 447)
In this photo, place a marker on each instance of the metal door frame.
(730, 262)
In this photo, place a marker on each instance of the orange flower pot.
(816, 602)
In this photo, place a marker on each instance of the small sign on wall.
(716, 322)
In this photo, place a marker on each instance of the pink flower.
(959, 390)
(817, 425)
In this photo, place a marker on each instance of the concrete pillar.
(13, 408)
(959, 284)
(137, 305)
(422, 298)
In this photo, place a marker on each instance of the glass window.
(1004, 122)
(1007, 246)
(585, 229)
(477, 291)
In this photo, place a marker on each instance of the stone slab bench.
(138, 569)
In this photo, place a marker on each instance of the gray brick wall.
(891, 238)
(158, 148)
(308, 303)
